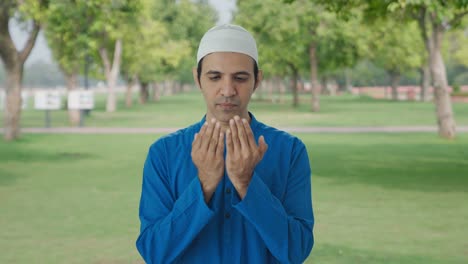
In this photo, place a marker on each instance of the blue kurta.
(272, 224)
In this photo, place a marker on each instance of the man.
(215, 192)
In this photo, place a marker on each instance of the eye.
(241, 78)
(214, 77)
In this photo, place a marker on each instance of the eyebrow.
(236, 73)
(212, 72)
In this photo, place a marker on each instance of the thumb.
(262, 145)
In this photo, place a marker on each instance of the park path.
(129, 130)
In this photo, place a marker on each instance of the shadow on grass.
(326, 253)
(427, 167)
(7, 177)
(18, 155)
(11, 154)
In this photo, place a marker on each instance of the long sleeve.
(168, 223)
(284, 225)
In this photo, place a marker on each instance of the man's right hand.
(208, 156)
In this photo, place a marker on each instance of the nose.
(228, 88)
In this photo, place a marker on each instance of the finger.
(229, 144)
(249, 134)
(214, 139)
(234, 135)
(208, 133)
(262, 146)
(220, 147)
(241, 133)
(198, 136)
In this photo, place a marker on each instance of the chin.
(225, 117)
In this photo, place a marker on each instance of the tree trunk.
(445, 119)
(131, 81)
(394, 81)
(315, 87)
(332, 87)
(294, 81)
(73, 114)
(282, 91)
(324, 85)
(348, 80)
(13, 61)
(156, 92)
(270, 89)
(175, 88)
(112, 72)
(278, 89)
(168, 87)
(444, 112)
(259, 90)
(425, 82)
(12, 114)
(144, 92)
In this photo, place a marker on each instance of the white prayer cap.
(227, 38)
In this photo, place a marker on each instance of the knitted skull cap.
(227, 38)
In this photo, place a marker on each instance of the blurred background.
(377, 90)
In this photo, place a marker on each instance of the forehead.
(227, 62)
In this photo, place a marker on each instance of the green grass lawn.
(183, 109)
(378, 198)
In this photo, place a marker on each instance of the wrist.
(241, 188)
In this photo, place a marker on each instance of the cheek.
(208, 94)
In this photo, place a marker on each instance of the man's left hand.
(243, 154)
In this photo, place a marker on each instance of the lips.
(227, 106)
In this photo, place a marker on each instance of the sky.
(41, 51)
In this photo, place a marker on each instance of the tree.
(186, 22)
(394, 46)
(434, 19)
(281, 44)
(66, 33)
(168, 34)
(31, 13)
(339, 46)
(455, 52)
(109, 21)
(442, 15)
(300, 28)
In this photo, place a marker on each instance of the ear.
(195, 77)
(259, 79)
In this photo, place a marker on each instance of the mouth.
(227, 106)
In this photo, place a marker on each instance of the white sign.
(24, 99)
(47, 100)
(2, 100)
(80, 100)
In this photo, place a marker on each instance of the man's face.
(227, 82)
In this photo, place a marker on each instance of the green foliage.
(77, 29)
(33, 9)
(340, 45)
(455, 47)
(284, 41)
(67, 34)
(280, 42)
(168, 34)
(395, 46)
(462, 78)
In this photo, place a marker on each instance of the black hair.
(199, 69)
